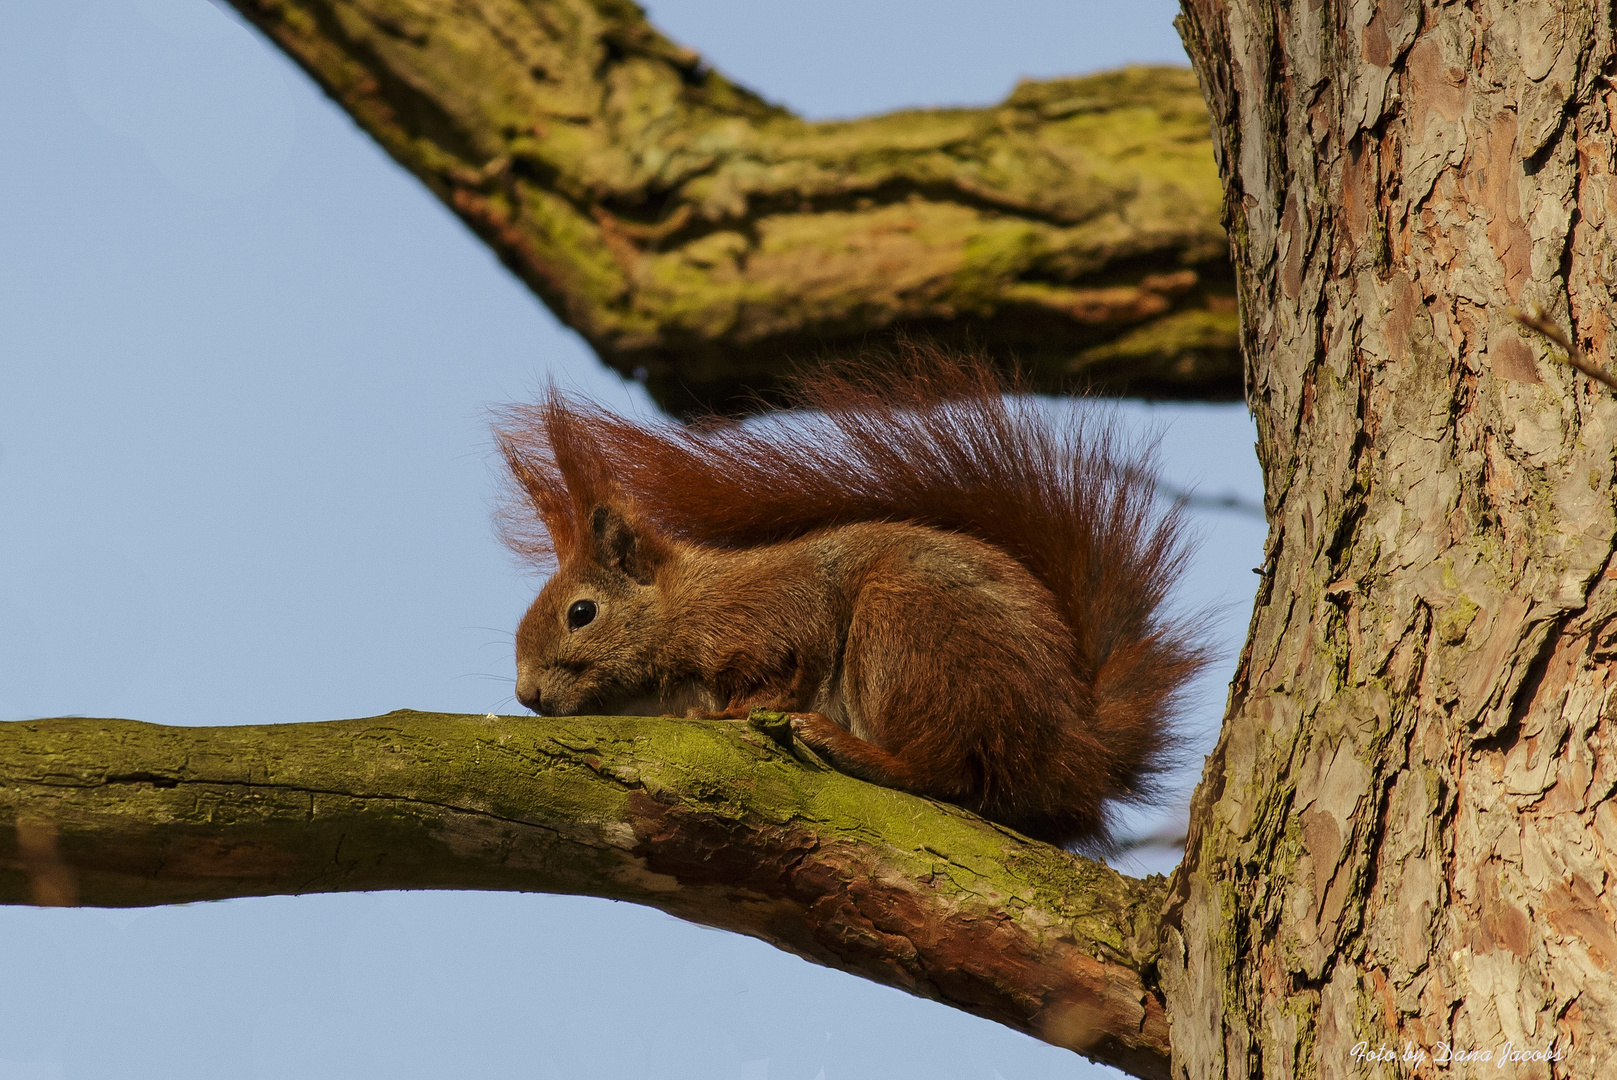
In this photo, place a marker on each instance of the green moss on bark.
(715, 822)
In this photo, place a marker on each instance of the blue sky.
(245, 477)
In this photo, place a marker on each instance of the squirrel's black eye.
(582, 613)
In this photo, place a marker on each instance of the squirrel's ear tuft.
(620, 545)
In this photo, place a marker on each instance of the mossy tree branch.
(714, 822)
(699, 236)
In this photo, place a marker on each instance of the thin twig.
(1196, 501)
(1534, 319)
(1171, 837)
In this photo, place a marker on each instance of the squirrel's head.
(587, 643)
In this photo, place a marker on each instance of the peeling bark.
(711, 821)
(703, 238)
(1407, 837)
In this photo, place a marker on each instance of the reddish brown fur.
(971, 590)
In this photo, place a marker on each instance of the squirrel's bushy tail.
(923, 436)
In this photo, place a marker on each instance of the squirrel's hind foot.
(847, 752)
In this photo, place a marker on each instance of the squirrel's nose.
(528, 691)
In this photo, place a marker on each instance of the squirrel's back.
(935, 440)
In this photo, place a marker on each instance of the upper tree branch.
(696, 234)
(710, 821)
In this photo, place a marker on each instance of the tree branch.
(699, 236)
(711, 821)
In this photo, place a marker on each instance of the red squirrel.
(953, 594)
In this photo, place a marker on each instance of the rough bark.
(714, 822)
(1407, 836)
(702, 238)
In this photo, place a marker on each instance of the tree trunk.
(700, 238)
(1406, 838)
